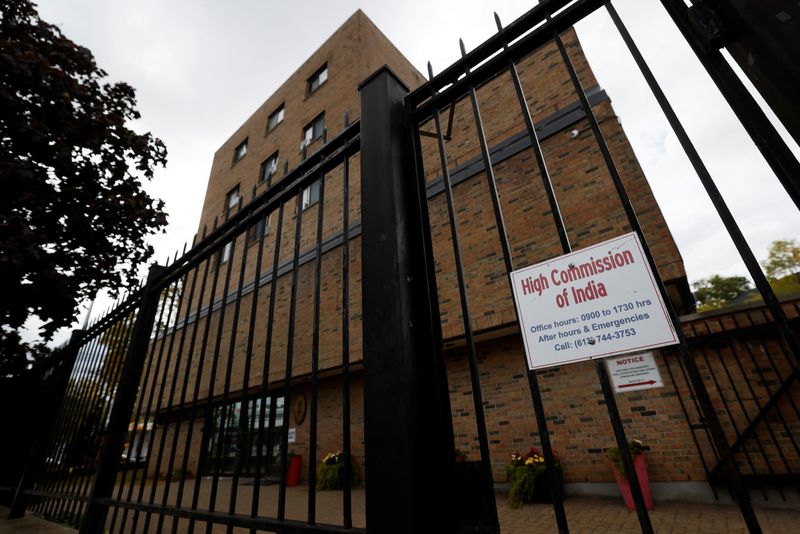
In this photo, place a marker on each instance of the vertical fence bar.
(119, 335)
(406, 401)
(229, 368)
(761, 131)
(347, 498)
(312, 442)
(749, 259)
(48, 414)
(276, 255)
(123, 406)
(73, 419)
(474, 372)
(248, 421)
(287, 380)
(737, 488)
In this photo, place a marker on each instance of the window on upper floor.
(268, 169)
(318, 78)
(276, 118)
(240, 151)
(258, 230)
(232, 200)
(311, 194)
(314, 130)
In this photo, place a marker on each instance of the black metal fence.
(176, 411)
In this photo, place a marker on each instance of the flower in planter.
(635, 446)
(330, 472)
(523, 472)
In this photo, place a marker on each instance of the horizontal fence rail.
(233, 338)
(289, 341)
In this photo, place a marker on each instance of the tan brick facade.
(591, 210)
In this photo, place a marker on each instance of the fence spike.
(205, 230)
(497, 21)
(430, 71)
(461, 45)
(216, 221)
(346, 119)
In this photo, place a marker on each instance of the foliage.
(716, 291)
(73, 213)
(330, 472)
(461, 456)
(636, 447)
(783, 259)
(522, 473)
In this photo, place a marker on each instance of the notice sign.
(593, 303)
(633, 372)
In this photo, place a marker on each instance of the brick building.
(312, 106)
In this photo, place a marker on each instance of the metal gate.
(212, 339)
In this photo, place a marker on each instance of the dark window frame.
(313, 83)
(262, 169)
(280, 110)
(240, 151)
(311, 126)
(313, 194)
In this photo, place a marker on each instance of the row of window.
(260, 229)
(269, 167)
(312, 131)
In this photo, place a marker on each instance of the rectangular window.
(276, 118)
(311, 194)
(269, 168)
(318, 78)
(231, 201)
(240, 151)
(259, 230)
(314, 130)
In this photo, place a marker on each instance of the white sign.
(633, 372)
(592, 303)
(292, 435)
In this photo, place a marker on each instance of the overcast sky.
(200, 68)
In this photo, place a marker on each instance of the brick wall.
(591, 211)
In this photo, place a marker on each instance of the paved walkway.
(585, 515)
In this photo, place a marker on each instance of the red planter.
(640, 464)
(293, 473)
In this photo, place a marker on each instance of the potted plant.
(527, 478)
(461, 456)
(637, 449)
(330, 472)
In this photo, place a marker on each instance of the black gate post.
(120, 417)
(45, 415)
(410, 456)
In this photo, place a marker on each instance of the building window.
(237, 430)
(259, 230)
(275, 119)
(240, 151)
(314, 130)
(311, 194)
(269, 168)
(317, 79)
(231, 201)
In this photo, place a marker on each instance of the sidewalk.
(585, 515)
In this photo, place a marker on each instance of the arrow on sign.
(648, 383)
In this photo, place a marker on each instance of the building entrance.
(223, 446)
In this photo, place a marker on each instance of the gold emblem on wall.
(299, 408)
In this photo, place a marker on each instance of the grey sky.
(201, 68)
